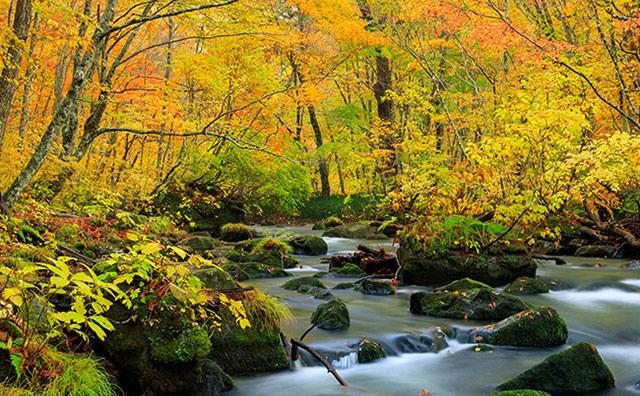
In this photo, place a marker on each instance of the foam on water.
(346, 361)
(602, 296)
(632, 282)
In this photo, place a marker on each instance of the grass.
(80, 375)
(357, 206)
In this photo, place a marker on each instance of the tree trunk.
(21, 24)
(381, 87)
(325, 188)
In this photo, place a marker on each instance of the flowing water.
(598, 299)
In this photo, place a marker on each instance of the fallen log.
(371, 261)
(66, 251)
(299, 344)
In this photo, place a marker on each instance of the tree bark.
(325, 188)
(21, 24)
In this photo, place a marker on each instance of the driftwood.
(371, 261)
(607, 228)
(390, 229)
(295, 344)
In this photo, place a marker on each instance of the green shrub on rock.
(235, 232)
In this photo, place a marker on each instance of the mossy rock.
(320, 293)
(522, 392)
(199, 244)
(215, 379)
(214, 277)
(369, 351)
(540, 327)
(165, 357)
(253, 270)
(525, 285)
(434, 341)
(319, 226)
(495, 269)
(355, 231)
(272, 256)
(481, 348)
(463, 285)
(349, 270)
(332, 315)
(344, 286)
(29, 235)
(296, 283)
(309, 245)
(248, 245)
(376, 288)
(477, 304)
(235, 232)
(596, 251)
(579, 369)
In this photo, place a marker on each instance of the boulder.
(235, 232)
(214, 277)
(332, 315)
(434, 341)
(596, 251)
(579, 369)
(296, 283)
(320, 293)
(496, 269)
(540, 327)
(253, 270)
(463, 285)
(526, 285)
(344, 286)
(478, 304)
(377, 288)
(271, 252)
(310, 245)
(369, 350)
(199, 244)
(349, 270)
(329, 222)
(216, 380)
(355, 231)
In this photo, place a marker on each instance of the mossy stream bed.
(598, 299)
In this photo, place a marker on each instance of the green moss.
(332, 221)
(540, 327)
(80, 246)
(463, 285)
(68, 233)
(355, 231)
(199, 243)
(310, 245)
(296, 283)
(96, 222)
(79, 375)
(378, 288)
(235, 232)
(35, 254)
(524, 285)
(252, 270)
(331, 316)
(26, 234)
(478, 304)
(247, 245)
(214, 277)
(579, 369)
(369, 350)
(189, 345)
(481, 348)
(343, 286)
(317, 292)
(349, 269)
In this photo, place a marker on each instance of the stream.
(599, 304)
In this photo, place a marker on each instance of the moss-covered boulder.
(320, 293)
(253, 270)
(235, 232)
(497, 268)
(369, 351)
(198, 244)
(309, 245)
(579, 369)
(539, 327)
(296, 283)
(522, 392)
(270, 251)
(332, 315)
(344, 286)
(329, 222)
(463, 285)
(478, 304)
(527, 286)
(596, 251)
(161, 351)
(214, 277)
(253, 349)
(376, 288)
(248, 245)
(216, 380)
(355, 231)
(347, 270)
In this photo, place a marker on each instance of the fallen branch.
(299, 344)
(66, 251)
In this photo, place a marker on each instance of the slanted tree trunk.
(325, 188)
(21, 24)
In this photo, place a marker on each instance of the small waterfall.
(346, 361)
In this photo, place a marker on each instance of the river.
(599, 303)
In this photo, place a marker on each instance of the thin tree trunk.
(27, 98)
(325, 188)
(21, 24)
(167, 75)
